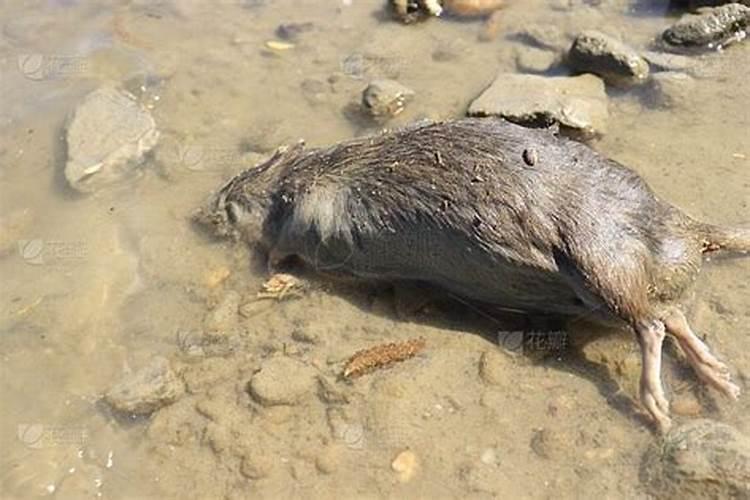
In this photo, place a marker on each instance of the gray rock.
(617, 63)
(578, 104)
(386, 98)
(108, 132)
(283, 381)
(710, 28)
(146, 390)
(701, 459)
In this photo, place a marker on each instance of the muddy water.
(95, 286)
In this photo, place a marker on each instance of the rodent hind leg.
(622, 293)
(708, 368)
(650, 336)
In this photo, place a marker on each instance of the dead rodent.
(492, 212)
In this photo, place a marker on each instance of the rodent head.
(240, 208)
(226, 217)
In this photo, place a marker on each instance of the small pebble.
(405, 465)
(216, 277)
(386, 98)
(489, 457)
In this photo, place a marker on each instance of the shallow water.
(94, 286)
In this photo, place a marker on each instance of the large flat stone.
(578, 104)
(108, 132)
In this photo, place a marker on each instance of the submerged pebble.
(146, 390)
(386, 98)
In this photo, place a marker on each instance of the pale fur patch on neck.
(326, 208)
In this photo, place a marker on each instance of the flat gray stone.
(108, 132)
(578, 104)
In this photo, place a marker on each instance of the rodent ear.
(235, 212)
